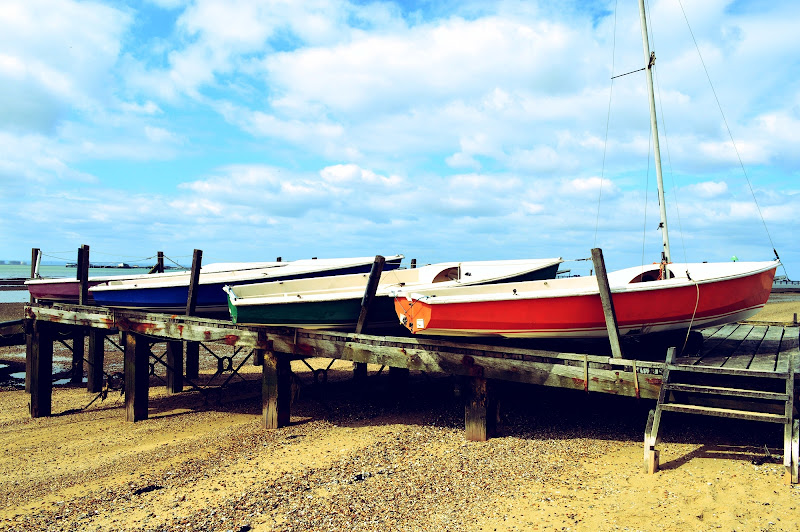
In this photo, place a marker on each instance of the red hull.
(639, 311)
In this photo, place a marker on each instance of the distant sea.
(24, 271)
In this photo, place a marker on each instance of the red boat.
(690, 296)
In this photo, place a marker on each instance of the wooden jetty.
(739, 371)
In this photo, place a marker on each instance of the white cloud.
(708, 189)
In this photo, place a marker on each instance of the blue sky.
(440, 130)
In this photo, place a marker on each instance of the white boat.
(335, 301)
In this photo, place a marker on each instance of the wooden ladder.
(733, 393)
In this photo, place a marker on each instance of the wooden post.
(276, 389)
(137, 377)
(607, 302)
(413, 263)
(35, 254)
(160, 262)
(480, 412)
(193, 348)
(94, 379)
(360, 368)
(40, 375)
(174, 366)
(78, 348)
(83, 275)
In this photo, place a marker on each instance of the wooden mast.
(650, 59)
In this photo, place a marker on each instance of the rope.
(694, 312)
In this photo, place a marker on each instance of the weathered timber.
(480, 410)
(360, 368)
(743, 355)
(94, 378)
(767, 353)
(137, 377)
(83, 275)
(276, 390)
(789, 352)
(193, 349)
(152, 324)
(35, 255)
(606, 301)
(40, 374)
(174, 366)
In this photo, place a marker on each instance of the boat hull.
(339, 314)
(650, 309)
(211, 298)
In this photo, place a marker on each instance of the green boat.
(334, 302)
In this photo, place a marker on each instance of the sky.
(442, 130)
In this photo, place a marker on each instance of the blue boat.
(169, 292)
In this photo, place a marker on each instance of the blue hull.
(211, 298)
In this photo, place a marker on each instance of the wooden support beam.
(137, 377)
(83, 275)
(276, 389)
(194, 281)
(40, 373)
(480, 411)
(360, 368)
(607, 302)
(35, 258)
(175, 366)
(97, 352)
(78, 349)
(193, 348)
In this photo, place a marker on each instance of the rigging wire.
(608, 119)
(730, 134)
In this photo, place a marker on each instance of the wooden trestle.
(770, 350)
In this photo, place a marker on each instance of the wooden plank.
(766, 356)
(94, 379)
(724, 412)
(137, 377)
(742, 357)
(161, 325)
(607, 302)
(789, 348)
(543, 373)
(276, 390)
(40, 373)
(726, 347)
(175, 366)
(712, 341)
(720, 390)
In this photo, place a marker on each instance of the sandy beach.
(373, 460)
